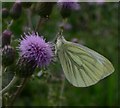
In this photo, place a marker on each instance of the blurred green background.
(93, 25)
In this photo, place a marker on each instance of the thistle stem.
(9, 85)
(10, 24)
(62, 90)
(18, 91)
(39, 24)
(29, 15)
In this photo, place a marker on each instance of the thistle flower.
(35, 48)
(34, 51)
(67, 6)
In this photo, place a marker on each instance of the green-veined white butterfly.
(82, 66)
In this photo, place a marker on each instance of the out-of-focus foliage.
(94, 25)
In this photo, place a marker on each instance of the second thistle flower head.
(33, 47)
(70, 4)
(67, 6)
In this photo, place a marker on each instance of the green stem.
(9, 25)
(9, 85)
(19, 90)
(29, 16)
(62, 90)
(39, 24)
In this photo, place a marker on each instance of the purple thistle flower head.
(69, 4)
(33, 47)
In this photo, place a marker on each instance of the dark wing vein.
(83, 59)
(66, 64)
(73, 65)
(77, 65)
(85, 64)
(92, 57)
(92, 65)
(70, 66)
(78, 53)
(97, 54)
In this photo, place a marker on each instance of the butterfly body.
(82, 66)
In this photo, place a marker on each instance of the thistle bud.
(26, 4)
(44, 9)
(6, 37)
(67, 6)
(25, 67)
(16, 10)
(5, 13)
(65, 11)
(8, 55)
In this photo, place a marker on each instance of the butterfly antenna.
(60, 33)
(61, 30)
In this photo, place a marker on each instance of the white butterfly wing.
(82, 66)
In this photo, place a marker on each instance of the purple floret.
(34, 47)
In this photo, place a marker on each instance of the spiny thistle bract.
(8, 55)
(35, 52)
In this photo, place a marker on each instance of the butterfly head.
(60, 41)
